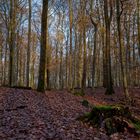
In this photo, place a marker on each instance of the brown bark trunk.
(109, 87)
(42, 66)
(29, 45)
(121, 51)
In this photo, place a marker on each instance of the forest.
(70, 69)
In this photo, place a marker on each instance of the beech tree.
(76, 44)
(108, 11)
(29, 45)
(42, 65)
(124, 78)
(11, 45)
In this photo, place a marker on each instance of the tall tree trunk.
(5, 59)
(95, 44)
(79, 72)
(84, 61)
(61, 68)
(134, 54)
(127, 50)
(104, 61)
(75, 61)
(48, 65)
(108, 18)
(1, 64)
(138, 24)
(56, 71)
(42, 66)
(125, 89)
(11, 42)
(33, 62)
(94, 57)
(29, 44)
(66, 61)
(70, 53)
(17, 57)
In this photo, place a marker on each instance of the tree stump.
(112, 118)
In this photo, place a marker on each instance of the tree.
(29, 44)
(119, 13)
(81, 50)
(70, 50)
(84, 75)
(42, 66)
(108, 17)
(11, 42)
(95, 24)
(138, 24)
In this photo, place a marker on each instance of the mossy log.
(112, 118)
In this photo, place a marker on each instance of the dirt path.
(29, 115)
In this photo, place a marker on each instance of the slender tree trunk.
(42, 66)
(1, 64)
(84, 61)
(56, 71)
(95, 44)
(48, 61)
(5, 59)
(128, 55)
(29, 45)
(138, 24)
(17, 61)
(11, 43)
(48, 68)
(121, 51)
(109, 89)
(75, 61)
(70, 53)
(66, 61)
(104, 62)
(33, 62)
(61, 69)
(79, 72)
(134, 55)
(94, 57)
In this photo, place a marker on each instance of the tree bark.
(84, 61)
(138, 24)
(108, 18)
(42, 66)
(70, 53)
(11, 42)
(29, 44)
(125, 89)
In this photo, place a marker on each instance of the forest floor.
(27, 114)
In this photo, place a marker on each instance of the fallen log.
(21, 87)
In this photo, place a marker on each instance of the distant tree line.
(70, 43)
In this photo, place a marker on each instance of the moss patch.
(78, 93)
(136, 124)
(103, 108)
(112, 118)
(85, 103)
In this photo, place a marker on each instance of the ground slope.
(29, 115)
